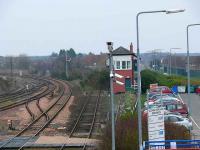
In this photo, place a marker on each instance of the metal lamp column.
(188, 65)
(110, 49)
(138, 69)
(171, 59)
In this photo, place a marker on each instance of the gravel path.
(65, 140)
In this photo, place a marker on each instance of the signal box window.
(128, 64)
(118, 64)
(123, 64)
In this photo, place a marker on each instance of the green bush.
(97, 80)
(148, 77)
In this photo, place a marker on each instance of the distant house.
(123, 61)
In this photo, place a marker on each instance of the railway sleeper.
(85, 134)
(85, 120)
(90, 114)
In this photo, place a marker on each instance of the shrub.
(176, 132)
(148, 77)
(127, 133)
(97, 80)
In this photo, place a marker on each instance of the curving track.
(35, 93)
(34, 84)
(51, 112)
(84, 124)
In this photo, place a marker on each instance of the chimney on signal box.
(131, 48)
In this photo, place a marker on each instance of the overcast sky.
(38, 27)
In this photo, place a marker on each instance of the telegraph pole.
(11, 66)
(67, 60)
(66, 67)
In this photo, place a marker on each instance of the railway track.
(86, 119)
(20, 88)
(50, 88)
(32, 115)
(41, 110)
(20, 93)
(54, 110)
(29, 111)
(12, 92)
(34, 84)
(83, 124)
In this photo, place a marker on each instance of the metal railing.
(172, 144)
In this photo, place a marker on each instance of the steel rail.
(94, 116)
(64, 146)
(41, 110)
(80, 115)
(33, 122)
(50, 120)
(38, 105)
(12, 93)
(21, 102)
(23, 91)
(29, 111)
(17, 95)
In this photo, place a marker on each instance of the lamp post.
(110, 49)
(155, 61)
(188, 65)
(175, 63)
(138, 68)
(171, 59)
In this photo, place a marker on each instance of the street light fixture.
(138, 67)
(188, 65)
(154, 61)
(110, 49)
(110, 46)
(174, 11)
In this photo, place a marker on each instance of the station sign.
(156, 126)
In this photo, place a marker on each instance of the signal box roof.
(122, 51)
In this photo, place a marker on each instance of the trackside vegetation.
(97, 79)
(126, 124)
(127, 133)
(148, 77)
